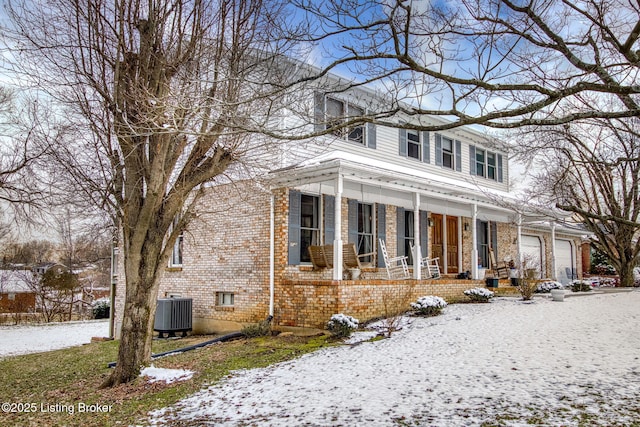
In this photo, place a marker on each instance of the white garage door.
(532, 252)
(565, 262)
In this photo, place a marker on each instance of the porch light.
(466, 226)
(430, 222)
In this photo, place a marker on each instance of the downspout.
(271, 255)
(112, 293)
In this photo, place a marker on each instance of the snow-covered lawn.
(24, 339)
(502, 363)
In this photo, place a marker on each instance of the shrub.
(479, 294)
(342, 325)
(429, 305)
(101, 309)
(580, 286)
(547, 286)
(261, 329)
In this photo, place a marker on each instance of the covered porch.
(415, 214)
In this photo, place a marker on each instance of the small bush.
(342, 325)
(261, 329)
(479, 294)
(580, 286)
(429, 305)
(547, 286)
(101, 309)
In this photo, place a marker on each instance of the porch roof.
(375, 174)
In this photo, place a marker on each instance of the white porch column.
(474, 241)
(554, 274)
(519, 242)
(337, 242)
(417, 255)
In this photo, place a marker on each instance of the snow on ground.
(167, 375)
(503, 363)
(24, 339)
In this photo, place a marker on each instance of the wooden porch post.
(417, 255)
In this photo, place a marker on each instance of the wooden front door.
(437, 238)
(452, 244)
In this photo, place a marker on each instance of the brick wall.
(226, 249)
(311, 303)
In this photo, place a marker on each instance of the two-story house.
(446, 194)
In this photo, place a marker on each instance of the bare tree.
(21, 194)
(592, 169)
(499, 63)
(167, 94)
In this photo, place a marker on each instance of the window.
(176, 253)
(491, 166)
(225, 299)
(336, 112)
(334, 115)
(409, 235)
(485, 163)
(12, 297)
(480, 162)
(309, 225)
(447, 153)
(413, 144)
(356, 133)
(365, 230)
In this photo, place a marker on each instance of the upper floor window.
(485, 163)
(332, 114)
(414, 144)
(447, 153)
(480, 162)
(491, 166)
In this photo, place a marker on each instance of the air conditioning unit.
(173, 315)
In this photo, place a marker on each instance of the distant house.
(17, 294)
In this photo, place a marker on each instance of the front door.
(452, 244)
(437, 238)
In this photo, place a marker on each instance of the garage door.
(532, 251)
(565, 261)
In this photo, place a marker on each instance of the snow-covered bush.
(636, 277)
(342, 325)
(429, 305)
(101, 308)
(580, 286)
(479, 294)
(547, 286)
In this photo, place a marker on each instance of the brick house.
(246, 255)
(16, 292)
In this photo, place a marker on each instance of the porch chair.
(500, 269)
(318, 255)
(351, 258)
(430, 265)
(397, 267)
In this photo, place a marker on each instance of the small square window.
(12, 297)
(225, 299)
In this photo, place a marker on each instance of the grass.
(56, 383)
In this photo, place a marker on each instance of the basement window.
(225, 299)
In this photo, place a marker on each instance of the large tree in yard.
(499, 63)
(159, 97)
(591, 168)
